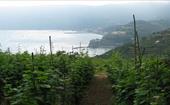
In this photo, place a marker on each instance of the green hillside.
(115, 36)
(156, 44)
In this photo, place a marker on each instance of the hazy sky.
(91, 3)
(77, 14)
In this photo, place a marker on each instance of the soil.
(99, 91)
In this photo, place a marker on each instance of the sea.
(38, 40)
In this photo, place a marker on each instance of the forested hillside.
(115, 36)
(154, 44)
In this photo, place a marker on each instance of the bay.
(62, 40)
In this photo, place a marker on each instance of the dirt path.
(99, 91)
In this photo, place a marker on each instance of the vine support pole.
(51, 51)
(138, 59)
(33, 69)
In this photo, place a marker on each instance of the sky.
(77, 14)
(87, 2)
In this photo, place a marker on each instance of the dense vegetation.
(43, 79)
(146, 85)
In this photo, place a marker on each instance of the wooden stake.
(138, 59)
(33, 69)
(80, 48)
(135, 50)
(51, 53)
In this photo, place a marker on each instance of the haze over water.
(32, 40)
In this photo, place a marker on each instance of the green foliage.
(33, 80)
(148, 85)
